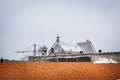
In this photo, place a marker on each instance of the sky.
(25, 22)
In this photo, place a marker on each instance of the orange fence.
(59, 71)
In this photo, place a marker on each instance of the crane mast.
(34, 51)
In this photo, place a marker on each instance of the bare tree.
(43, 50)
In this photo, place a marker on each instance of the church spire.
(58, 38)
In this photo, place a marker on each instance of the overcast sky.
(25, 22)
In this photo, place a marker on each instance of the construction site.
(63, 52)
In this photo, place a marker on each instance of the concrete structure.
(78, 57)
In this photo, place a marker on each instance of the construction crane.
(25, 51)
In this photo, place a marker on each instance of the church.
(59, 48)
(79, 52)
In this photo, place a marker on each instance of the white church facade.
(59, 48)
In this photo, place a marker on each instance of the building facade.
(79, 52)
(59, 48)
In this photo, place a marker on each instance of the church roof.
(84, 45)
(70, 47)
